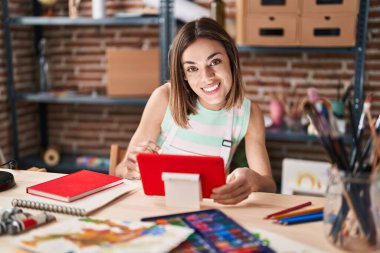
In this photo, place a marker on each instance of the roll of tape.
(51, 156)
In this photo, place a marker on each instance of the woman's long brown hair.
(182, 98)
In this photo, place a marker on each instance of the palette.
(214, 232)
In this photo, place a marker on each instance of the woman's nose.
(207, 74)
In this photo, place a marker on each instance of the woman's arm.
(145, 137)
(256, 152)
(258, 177)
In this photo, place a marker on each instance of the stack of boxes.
(309, 23)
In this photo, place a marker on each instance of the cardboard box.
(269, 6)
(268, 30)
(132, 72)
(328, 30)
(330, 6)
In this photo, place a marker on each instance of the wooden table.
(249, 213)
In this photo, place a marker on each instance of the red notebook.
(74, 186)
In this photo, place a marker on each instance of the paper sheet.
(281, 244)
(89, 235)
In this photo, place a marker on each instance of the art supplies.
(355, 172)
(287, 210)
(15, 220)
(92, 161)
(102, 235)
(74, 186)
(289, 216)
(316, 216)
(214, 232)
(79, 207)
(296, 213)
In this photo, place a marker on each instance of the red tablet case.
(210, 169)
(74, 186)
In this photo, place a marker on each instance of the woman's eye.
(215, 62)
(192, 69)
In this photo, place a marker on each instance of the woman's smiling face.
(207, 70)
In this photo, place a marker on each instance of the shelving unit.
(358, 50)
(166, 23)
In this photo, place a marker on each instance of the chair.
(116, 155)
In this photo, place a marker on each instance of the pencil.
(296, 213)
(301, 219)
(287, 210)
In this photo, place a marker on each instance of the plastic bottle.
(217, 11)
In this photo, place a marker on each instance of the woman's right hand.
(129, 167)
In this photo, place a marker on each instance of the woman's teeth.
(211, 88)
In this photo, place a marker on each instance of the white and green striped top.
(206, 132)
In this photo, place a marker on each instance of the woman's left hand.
(239, 185)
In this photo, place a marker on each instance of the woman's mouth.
(211, 89)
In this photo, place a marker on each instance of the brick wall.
(24, 75)
(77, 62)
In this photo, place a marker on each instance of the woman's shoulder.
(162, 92)
(157, 104)
(160, 96)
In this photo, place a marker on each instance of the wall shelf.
(283, 134)
(79, 99)
(67, 164)
(338, 50)
(67, 21)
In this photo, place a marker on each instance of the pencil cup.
(352, 212)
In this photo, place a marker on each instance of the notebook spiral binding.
(48, 207)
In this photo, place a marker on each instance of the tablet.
(210, 169)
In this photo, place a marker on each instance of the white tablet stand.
(182, 189)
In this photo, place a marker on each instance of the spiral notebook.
(74, 186)
(80, 207)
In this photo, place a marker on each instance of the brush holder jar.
(352, 212)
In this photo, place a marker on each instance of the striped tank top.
(209, 132)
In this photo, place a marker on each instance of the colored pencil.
(287, 210)
(281, 221)
(296, 213)
(301, 219)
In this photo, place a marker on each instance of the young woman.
(203, 111)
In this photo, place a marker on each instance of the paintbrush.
(377, 124)
(366, 107)
(359, 132)
(368, 145)
(323, 129)
(346, 91)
